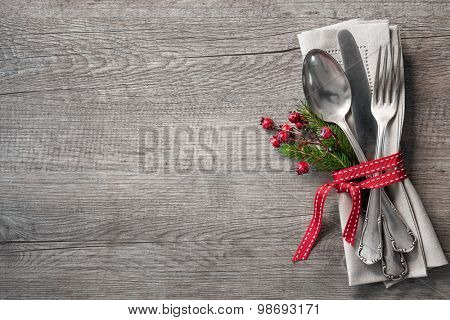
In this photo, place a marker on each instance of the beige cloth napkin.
(369, 36)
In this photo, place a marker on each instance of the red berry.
(326, 133)
(299, 125)
(302, 167)
(283, 136)
(274, 142)
(286, 127)
(267, 123)
(294, 117)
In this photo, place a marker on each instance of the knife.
(371, 246)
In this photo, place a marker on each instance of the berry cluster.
(296, 133)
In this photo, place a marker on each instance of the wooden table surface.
(132, 164)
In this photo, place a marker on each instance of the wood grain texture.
(132, 165)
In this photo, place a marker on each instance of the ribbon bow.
(390, 170)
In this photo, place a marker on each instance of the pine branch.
(325, 154)
(317, 156)
(338, 143)
(305, 143)
(291, 151)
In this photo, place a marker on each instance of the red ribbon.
(390, 170)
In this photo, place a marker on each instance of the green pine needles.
(325, 154)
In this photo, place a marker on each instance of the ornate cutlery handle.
(400, 236)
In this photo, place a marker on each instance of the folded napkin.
(370, 35)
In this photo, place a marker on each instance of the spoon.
(329, 95)
(328, 92)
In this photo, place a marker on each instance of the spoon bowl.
(326, 86)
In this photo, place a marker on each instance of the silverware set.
(385, 236)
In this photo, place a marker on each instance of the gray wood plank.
(132, 165)
(181, 270)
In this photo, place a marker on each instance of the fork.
(385, 102)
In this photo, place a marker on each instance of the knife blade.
(365, 123)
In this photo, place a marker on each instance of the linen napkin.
(370, 35)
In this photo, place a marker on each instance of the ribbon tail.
(312, 232)
(352, 222)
